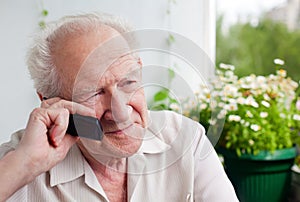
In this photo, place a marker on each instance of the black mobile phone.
(85, 126)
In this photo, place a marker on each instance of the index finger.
(72, 107)
(46, 103)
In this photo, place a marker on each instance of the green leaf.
(45, 12)
(171, 39)
(173, 100)
(159, 107)
(238, 151)
(161, 95)
(42, 24)
(171, 73)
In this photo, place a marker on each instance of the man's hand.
(43, 145)
(45, 142)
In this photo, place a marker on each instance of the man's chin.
(126, 152)
(109, 150)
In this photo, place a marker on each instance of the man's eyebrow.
(86, 91)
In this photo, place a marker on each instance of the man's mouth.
(118, 131)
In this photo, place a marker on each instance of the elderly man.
(83, 65)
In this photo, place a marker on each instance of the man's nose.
(119, 110)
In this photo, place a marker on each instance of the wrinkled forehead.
(94, 71)
(123, 68)
(106, 56)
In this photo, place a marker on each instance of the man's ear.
(40, 96)
(140, 61)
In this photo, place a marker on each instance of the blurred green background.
(251, 48)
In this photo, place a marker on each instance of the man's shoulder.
(170, 118)
(168, 125)
(12, 144)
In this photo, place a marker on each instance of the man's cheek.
(99, 111)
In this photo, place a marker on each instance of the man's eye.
(93, 98)
(128, 82)
(94, 95)
(101, 92)
(129, 85)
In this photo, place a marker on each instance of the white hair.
(44, 74)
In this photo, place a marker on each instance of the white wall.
(19, 20)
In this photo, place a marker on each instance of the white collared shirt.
(176, 162)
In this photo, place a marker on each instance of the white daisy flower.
(255, 127)
(281, 73)
(278, 61)
(226, 66)
(254, 104)
(212, 121)
(265, 103)
(203, 106)
(282, 115)
(263, 114)
(240, 100)
(235, 118)
(222, 114)
(296, 117)
(266, 97)
(249, 114)
(251, 142)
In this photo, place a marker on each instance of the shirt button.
(188, 197)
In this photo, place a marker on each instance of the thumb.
(58, 129)
(68, 141)
(61, 150)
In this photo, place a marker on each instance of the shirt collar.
(152, 144)
(72, 167)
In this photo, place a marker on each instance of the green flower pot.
(264, 177)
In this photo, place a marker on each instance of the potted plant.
(261, 125)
